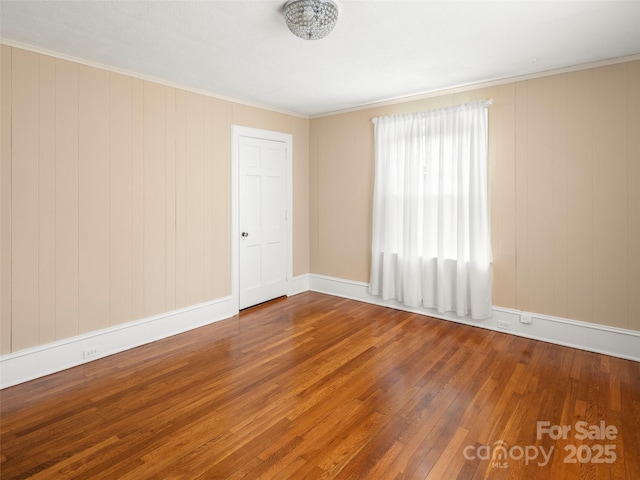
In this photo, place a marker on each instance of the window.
(430, 239)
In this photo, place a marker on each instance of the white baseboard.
(53, 357)
(298, 284)
(613, 341)
(31, 363)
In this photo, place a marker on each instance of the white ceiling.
(379, 50)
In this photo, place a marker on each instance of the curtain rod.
(485, 103)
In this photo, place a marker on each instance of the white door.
(262, 220)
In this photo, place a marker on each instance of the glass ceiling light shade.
(311, 19)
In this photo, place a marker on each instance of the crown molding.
(478, 85)
(111, 68)
(381, 103)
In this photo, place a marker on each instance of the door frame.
(237, 132)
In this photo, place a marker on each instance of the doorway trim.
(237, 132)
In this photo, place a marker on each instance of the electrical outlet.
(90, 352)
(525, 318)
(504, 325)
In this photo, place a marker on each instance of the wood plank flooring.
(315, 386)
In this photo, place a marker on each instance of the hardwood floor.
(315, 386)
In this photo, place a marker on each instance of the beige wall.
(116, 197)
(564, 154)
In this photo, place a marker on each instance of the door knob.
(245, 234)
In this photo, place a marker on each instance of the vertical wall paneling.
(170, 198)
(314, 194)
(345, 205)
(560, 212)
(137, 199)
(66, 199)
(115, 197)
(94, 205)
(121, 194)
(25, 199)
(181, 204)
(633, 189)
(80, 184)
(580, 195)
(493, 171)
(300, 214)
(194, 198)
(5, 199)
(609, 198)
(503, 215)
(208, 208)
(154, 213)
(540, 207)
(221, 199)
(46, 199)
(565, 208)
(522, 207)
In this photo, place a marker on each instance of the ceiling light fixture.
(311, 19)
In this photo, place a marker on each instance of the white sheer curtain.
(431, 240)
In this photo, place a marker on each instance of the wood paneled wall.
(564, 173)
(115, 195)
(5, 199)
(116, 201)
